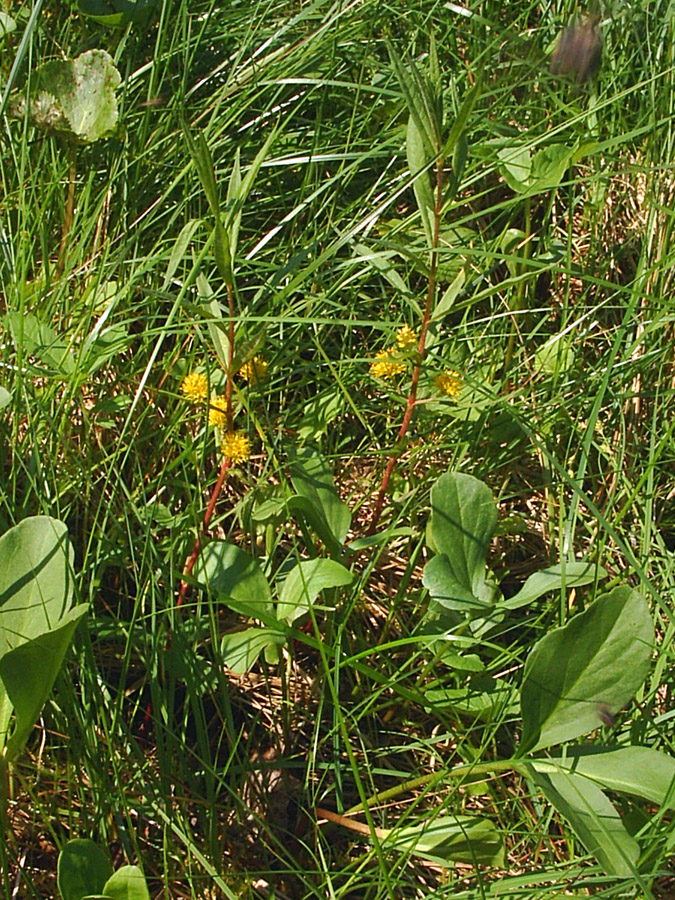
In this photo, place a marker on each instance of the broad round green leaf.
(240, 649)
(127, 883)
(28, 673)
(75, 97)
(36, 587)
(600, 657)
(83, 869)
(233, 575)
(463, 520)
(317, 499)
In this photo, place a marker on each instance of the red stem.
(412, 396)
(207, 517)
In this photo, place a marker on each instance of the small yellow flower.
(406, 338)
(217, 411)
(235, 446)
(254, 370)
(449, 383)
(384, 366)
(195, 387)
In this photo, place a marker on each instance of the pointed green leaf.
(421, 106)
(201, 156)
(239, 189)
(236, 578)
(641, 771)
(594, 820)
(241, 649)
(317, 500)
(304, 583)
(83, 869)
(601, 656)
(459, 125)
(127, 883)
(569, 575)
(445, 839)
(217, 327)
(417, 162)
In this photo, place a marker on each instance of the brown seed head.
(578, 52)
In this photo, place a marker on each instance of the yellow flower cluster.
(386, 367)
(449, 383)
(195, 387)
(388, 362)
(254, 370)
(217, 411)
(406, 338)
(235, 446)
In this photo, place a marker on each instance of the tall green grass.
(149, 746)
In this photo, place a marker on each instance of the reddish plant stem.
(198, 542)
(426, 319)
(226, 462)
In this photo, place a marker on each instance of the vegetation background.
(561, 333)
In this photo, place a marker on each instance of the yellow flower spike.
(449, 383)
(254, 370)
(217, 411)
(384, 366)
(195, 387)
(235, 446)
(406, 338)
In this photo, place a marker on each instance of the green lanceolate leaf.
(593, 818)
(446, 839)
(569, 575)
(83, 869)
(418, 163)
(201, 156)
(641, 771)
(601, 656)
(317, 500)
